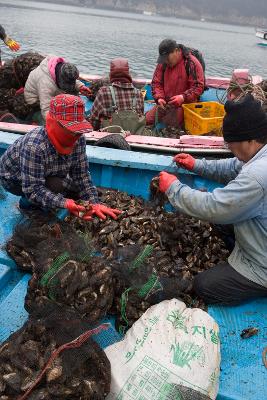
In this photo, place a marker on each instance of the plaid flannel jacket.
(32, 158)
(124, 93)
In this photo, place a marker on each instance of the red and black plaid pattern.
(124, 93)
(69, 111)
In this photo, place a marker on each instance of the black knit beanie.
(244, 120)
(66, 75)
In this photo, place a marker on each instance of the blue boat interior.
(243, 375)
(211, 94)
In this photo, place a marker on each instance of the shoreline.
(73, 3)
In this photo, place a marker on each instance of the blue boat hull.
(243, 375)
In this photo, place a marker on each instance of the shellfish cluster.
(74, 373)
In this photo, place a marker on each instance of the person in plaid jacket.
(125, 92)
(48, 166)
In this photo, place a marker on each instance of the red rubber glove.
(177, 101)
(85, 91)
(12, 44)
(165, 181)
(101, 211)
(19, 91)
(74, 208)
(162, 103)
(185, 161)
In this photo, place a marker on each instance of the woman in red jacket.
(178, 78)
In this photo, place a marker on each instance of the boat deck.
(243, 375)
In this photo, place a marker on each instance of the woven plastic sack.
(171, 352)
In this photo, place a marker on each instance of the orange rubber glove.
(12, 44)
(185, 161)
(101, 211)
(165, 181)
(74, 208)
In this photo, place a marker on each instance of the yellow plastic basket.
(203, 118)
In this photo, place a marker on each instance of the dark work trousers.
(222, 284)
(53, 183)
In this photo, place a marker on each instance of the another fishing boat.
(196, 144)
(262, 34)
(243, 375)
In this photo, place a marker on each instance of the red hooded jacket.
(176, 81)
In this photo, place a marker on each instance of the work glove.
(165, 181)
(162, 103)
(12, 44)
(85, 91)
(19, 91)
(74, 208)
(101, 211)
(185, 161)
(176, 101)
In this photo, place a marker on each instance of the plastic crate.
(202, 118)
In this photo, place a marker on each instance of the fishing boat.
(262, 34)
(243, 375)
(196, 144)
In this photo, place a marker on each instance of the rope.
(139, 260)
(48, 279)
(147, 288)
(264, 357)
(78, 342)
(244, 89)
(54, 267)
(123, 302)
(122, 132)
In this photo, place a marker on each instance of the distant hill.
(246, 12)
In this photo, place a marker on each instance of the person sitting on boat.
(242, 202)
(119, 103)
(10, 43)
(48, 166)
(178, 79)
(53, 76)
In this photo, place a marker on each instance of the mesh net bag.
(25, 63)
(21, 109)
(14, 73)
(8, 79)
(65, 268)
(6, 99)
(96, 85)
(138, 284)
(54, 357)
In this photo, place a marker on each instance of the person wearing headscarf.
(127, 96)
